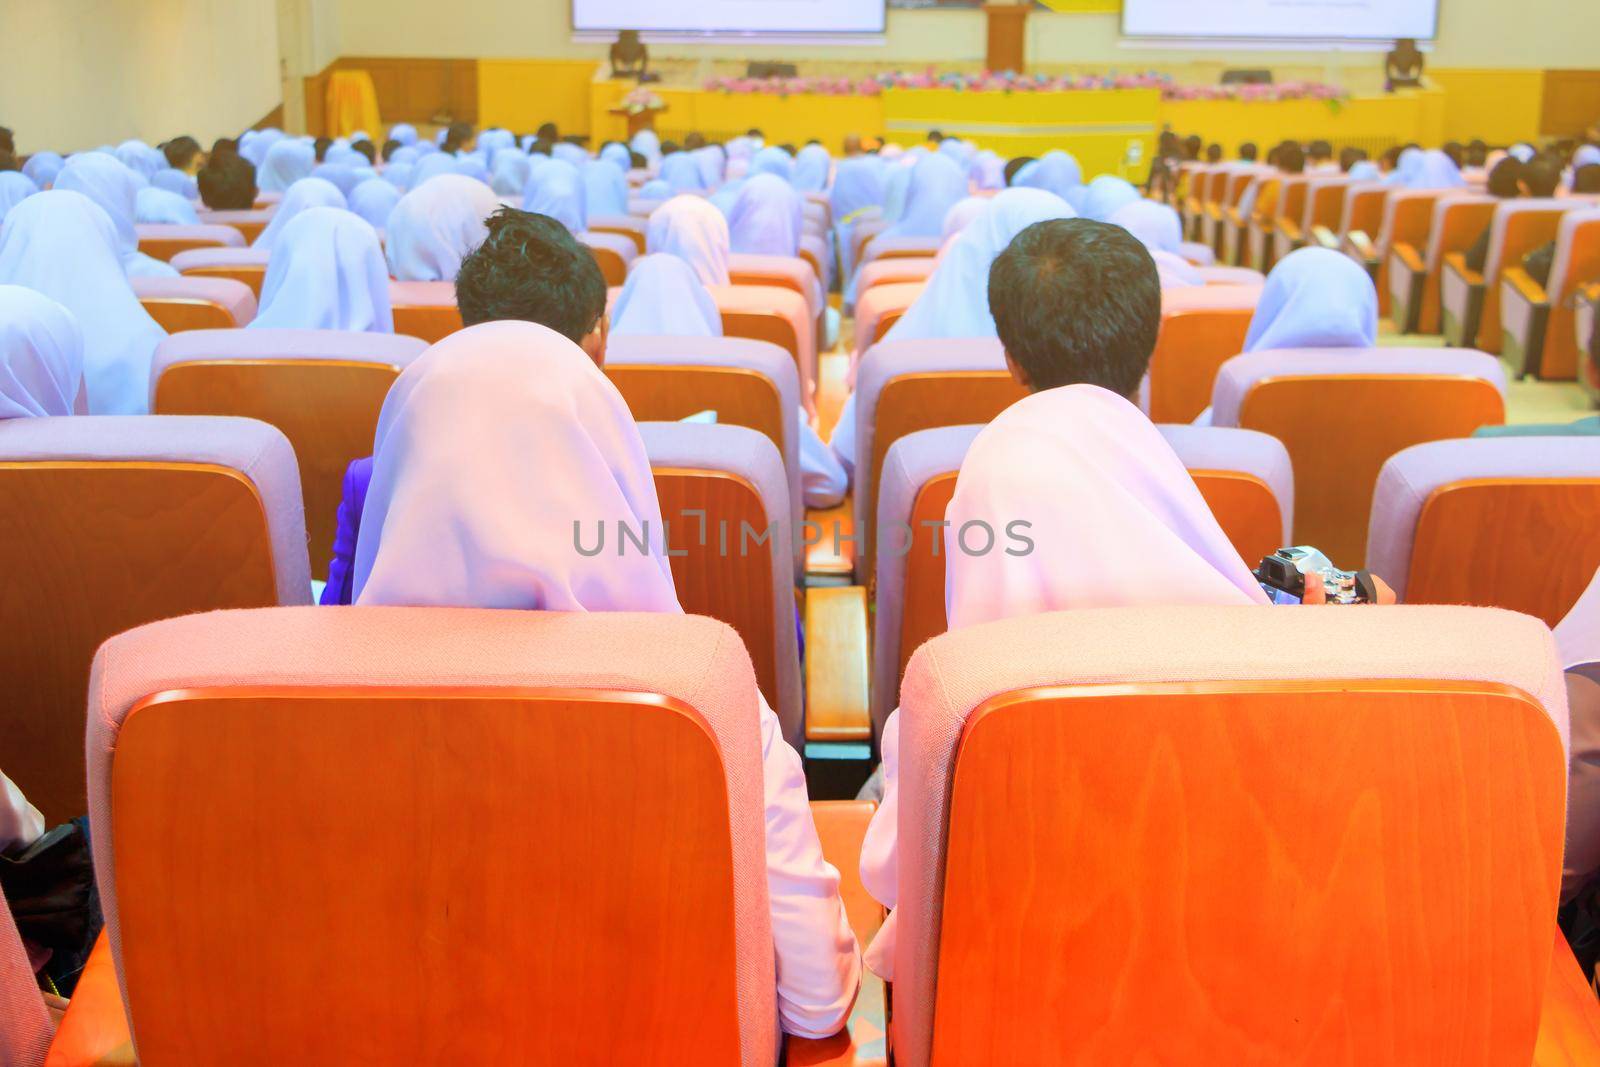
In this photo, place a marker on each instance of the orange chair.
(1201, 329)
(246, 265)
(1214, 225)
(1427, 228)
(195, 303)
(1469, 300)
(619, 747)
(1537, 321)
(613, 268)
(1262, 230)
(1361, 223)
(1245, 477)
(1346, 856)
(1321, 214)
(906, 386)
(161, 241)
(322, 388)
(425, 309)
(622, 225)
(879, 308)
(1343, 412)
(893, 271)
(1504, 522)
(1587, 327)
(122, 520)
(778, 316)
(248, 223)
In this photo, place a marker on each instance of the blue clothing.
(1582, 428)
(342, 570)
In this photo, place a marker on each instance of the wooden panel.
(1461, 227)
(715, 572)
(520, 94)
(923, 401)
(842, 827)
(1192, 347)
(95, 1029)
(1569, 1029)
(431, 322)
(164, 248)
(109, 546)
(1226, 906)
(607, 880)
(410, 89)
(771, 326)
(1371, 417)
(670, 392)
(1571, 102)
(1007, 36)
(254, 277)
(328, 409)
(1561, 355)
(177, 314)
(1245, 509)
(1523, 544)
(836, 664)
(1502, 105)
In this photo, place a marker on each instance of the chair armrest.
(94, 1032)
(1409, 258)
(1456, 263)
(836, 1051)
(1325, 237)
(821, 558)
(836, 664)
(1569, 1025)
(1521, 283)
(1289, 229)
(1361, 244)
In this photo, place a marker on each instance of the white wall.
(1474, 33)
(79, 73)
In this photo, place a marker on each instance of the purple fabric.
(340, 175)
(811, 169)
(115, 189)
(341, 571)
(176, 181)
(373, 200)
(158, 207)
(605, 189)
(14, 189)
(766, 219)
(681, 173)
(285, 162)
(302, 196)
(557, 191)
(326, 273)
(937, 183)
(42, 168)
(1315, 298)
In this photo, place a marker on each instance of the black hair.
(636, 160)
(1541, 177)
(935, 136)
(541, 147)
(8, 140)
(390, 147)
(548, 132)
(755, 131)
(180, 152)
(1586, 179)
(1015, 165)
(457, 136)
(1391, 157)
(1319, 150)
(530, 268)
(322, 146)
(694, 139)
(1249, 152)
(1077, 302)
(1504, 179)
(224, 146)
(1213, 153)
(9, 161)
(227, 183)
(669, 148)
(813, 141)
(1456, 153)
(787, 147)
(366, 148)
(1291, 158)
(1349, 157)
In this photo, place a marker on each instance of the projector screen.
(730, 16)
(1383, 20)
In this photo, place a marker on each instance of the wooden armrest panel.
(1409, 258)
(836, 664)
(1456, 263)
(1361, 244)
(1522, 283)
(1569, 1026)
(822, 558)
(1325, 237)
(94, 1032)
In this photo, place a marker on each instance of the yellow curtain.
(353, 105)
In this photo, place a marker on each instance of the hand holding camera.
(1304, 575)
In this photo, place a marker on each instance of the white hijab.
(41, 355)
(303, 195)
(664, 298)
(437, 225)
(61, 244)
(115, 189)
(326, 273)
(496, 450)
(690, 228)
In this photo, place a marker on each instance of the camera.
(1283, 577)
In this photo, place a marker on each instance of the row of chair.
(1229, 853)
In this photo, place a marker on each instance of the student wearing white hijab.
(63, 245)
(605, 189)
(41, 357)
(285, 162)
(1315, 298)
(373, 200)
(303, 195)
(140, 158)
(42, 168)
(681, 173)
(159, 207)
(766, 218)
(711, 164)
(1114, 517)
(648, 145)
(115, 189)
(773, 160)
(403, 132)
(1159, 229)
(489, 448)
(933, 187)
(15, 187)
(987, 171)
(616, 153)
(434, 226)
(961, 215)
(955, 302)
(1437, 171)
(510, 173)
(557, 191)
(326, 273)
(812, 168)
(1107, 195)
(1055, 172)
(691, 229)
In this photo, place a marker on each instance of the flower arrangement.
(641, 100)
(1009, 82)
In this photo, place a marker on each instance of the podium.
(638, 120)
(1008, 42)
